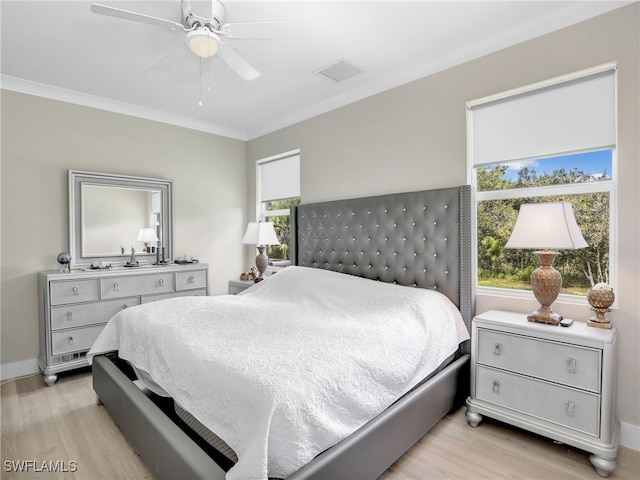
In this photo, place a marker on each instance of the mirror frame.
(79, 178)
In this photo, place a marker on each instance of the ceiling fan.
(203, 35)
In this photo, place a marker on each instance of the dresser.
(559, 382)
(75, 306)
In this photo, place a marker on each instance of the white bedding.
(295, 363)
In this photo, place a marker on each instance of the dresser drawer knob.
(497, 349)
(570, 407)
(124, 305)
(70, 340)
(116, 287)
(496, 386)
(191, 279)
(571, 365)
(76, 291)
(69, 316)
(161, 281)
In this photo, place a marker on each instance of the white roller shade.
(575, 113)
(280, 178)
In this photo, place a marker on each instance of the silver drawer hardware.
(69, 316)
(161, 282)
(70, 340)
(191, 279)
(116, 287)
(570, 407)
(571, 365)
(496, 386)
(76, 291)
(497, 348)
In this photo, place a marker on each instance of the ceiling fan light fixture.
(203, 43)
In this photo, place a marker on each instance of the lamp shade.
(260, 233)
(147, 235)
(550, 225)
(203, 43)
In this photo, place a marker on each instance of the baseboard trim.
(629, 436)
(19, 369)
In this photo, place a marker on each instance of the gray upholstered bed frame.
(421, 239)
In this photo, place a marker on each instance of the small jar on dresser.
(559, 382)
(74, 307)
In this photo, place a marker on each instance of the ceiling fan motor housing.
(213, 23)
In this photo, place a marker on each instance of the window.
(278, 188)
(550, 141)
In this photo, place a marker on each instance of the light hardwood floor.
(63, 423)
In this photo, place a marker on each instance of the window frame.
(605, 186)
(262, 214)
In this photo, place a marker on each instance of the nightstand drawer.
(570, 365)
(118, 287)
(73, 291)
(73, 340)
(189, 280)
(564, 406)
(88, 313)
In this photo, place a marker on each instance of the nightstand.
(237, 286)
(559, 382)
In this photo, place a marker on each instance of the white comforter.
(292, 365)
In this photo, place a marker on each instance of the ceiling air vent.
(339, 71)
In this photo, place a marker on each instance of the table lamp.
(147, 235)
(546, 227)
(260, 234)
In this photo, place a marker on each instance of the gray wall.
(42, 139)
(414, 137)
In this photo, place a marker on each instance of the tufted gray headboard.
(420, 239)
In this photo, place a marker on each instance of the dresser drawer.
(186, 293)
(88, 313)
(73, 291)
(75, 339)
(192, 279)
(564, 406)
(557, 362)
(119, 287)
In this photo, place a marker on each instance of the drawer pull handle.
(496, 386)
(76, 291)
(497, 349)
(116, 287)
(570, 407)
(69, 316)
(124, 305)
(70, 340)
(191, 279)
(571, 365)
(161, 282)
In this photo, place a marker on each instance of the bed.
(416, 239)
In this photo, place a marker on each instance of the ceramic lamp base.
(546, 282)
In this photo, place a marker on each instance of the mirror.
(107, 214)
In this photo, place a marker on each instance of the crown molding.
(69, 96)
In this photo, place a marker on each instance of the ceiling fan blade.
(260, 30)
(176, 58)
(238, 64)
(133, 16)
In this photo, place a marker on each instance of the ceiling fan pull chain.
(200, 83)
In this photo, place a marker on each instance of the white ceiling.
(61, 50)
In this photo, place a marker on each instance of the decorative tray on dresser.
(75, 306)
(559, 382)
